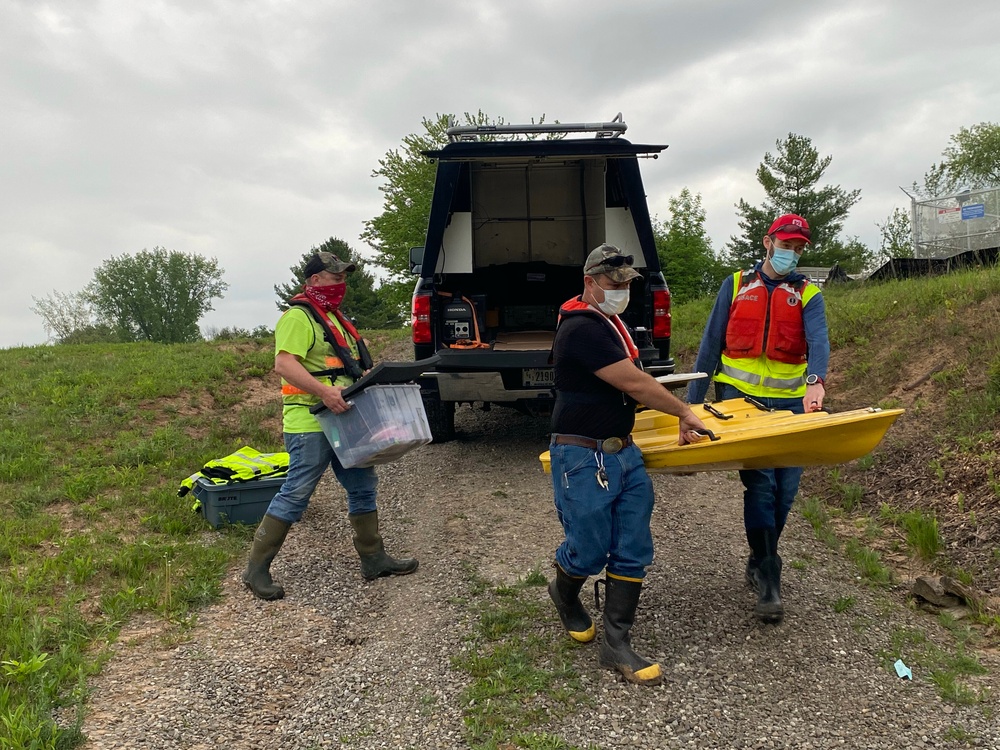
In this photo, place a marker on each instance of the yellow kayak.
(747, 437)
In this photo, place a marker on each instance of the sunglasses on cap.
(794, 229)
(614, 261)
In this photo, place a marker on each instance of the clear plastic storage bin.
(383, 423)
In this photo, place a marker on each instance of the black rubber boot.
(769, 607)
(375, 561)
(757, 539)
(752, 572)
(565, 592)
(621, 600)
(266, 542)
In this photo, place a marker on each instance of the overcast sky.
(248, 130)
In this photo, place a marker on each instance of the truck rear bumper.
(482, 386)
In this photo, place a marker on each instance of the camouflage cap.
(608, 260)
(324, 261)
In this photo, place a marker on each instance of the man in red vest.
(767, 338)
(318, 353)
(603, 495)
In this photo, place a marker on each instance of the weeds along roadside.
(946, 654)
(94, 441)
(520, 666)
(931, 345)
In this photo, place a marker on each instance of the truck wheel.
(440, 417)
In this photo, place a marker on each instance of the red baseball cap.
(790, 227)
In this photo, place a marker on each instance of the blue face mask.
(784, 261)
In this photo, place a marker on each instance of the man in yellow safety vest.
(767, 338)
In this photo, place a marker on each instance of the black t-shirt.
(585, 404)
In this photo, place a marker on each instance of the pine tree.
(790, 180)
(363, 303)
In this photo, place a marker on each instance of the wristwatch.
(814, 379)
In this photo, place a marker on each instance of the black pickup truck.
(511, 223)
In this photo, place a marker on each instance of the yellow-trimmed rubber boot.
(266, 542)
(565, 592)
(620, 602)
(375, 561)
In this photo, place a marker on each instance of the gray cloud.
(248, 131)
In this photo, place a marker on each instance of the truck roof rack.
(611, 129)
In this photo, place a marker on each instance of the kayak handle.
(760, 405)
(715, 412)
(709, 434)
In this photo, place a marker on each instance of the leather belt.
(609, 445)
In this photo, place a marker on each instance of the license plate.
(538, 376)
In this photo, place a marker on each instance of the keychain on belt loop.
(602, 474)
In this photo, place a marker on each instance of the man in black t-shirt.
(603, 495)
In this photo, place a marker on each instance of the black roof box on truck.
(478, 141)
(542, 149)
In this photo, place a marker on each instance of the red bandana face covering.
(326, 297)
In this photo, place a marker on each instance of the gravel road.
(344, 663)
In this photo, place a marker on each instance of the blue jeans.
(309, 454)
(603, 527)
(768, 493)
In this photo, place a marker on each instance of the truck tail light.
(661, 314)
(421, 318)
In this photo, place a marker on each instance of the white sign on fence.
(949, 215)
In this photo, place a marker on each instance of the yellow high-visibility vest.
(761, 375)
(242, 466)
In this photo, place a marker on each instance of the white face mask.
(615, 301)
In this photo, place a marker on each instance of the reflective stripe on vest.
(766, 381)
(244, 464)
(287, 389)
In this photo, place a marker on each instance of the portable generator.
(459, 320)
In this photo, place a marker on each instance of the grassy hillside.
(927, 499)
(94, 440)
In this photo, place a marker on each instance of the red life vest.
(577, 306)
(348, 364)
(767, 323)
